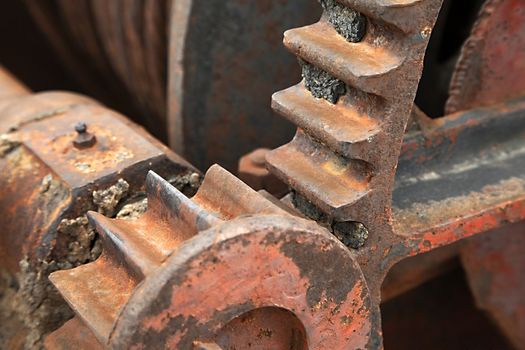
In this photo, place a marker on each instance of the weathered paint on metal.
(494, 265)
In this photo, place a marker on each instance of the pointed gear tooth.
(221, 189)
(342, 128)
(169, 204)
(408, 16)
(365, 64)
(127, 242)
(324, 178)
(96, 291)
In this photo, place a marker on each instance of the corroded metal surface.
(344, 155)
(494, 265)
(48, 184)
(490, 67)
(187, 273)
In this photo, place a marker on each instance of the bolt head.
(81, 127)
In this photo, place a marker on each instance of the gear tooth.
(136, 245)
(331, 182)
(96, 291)
(365, 64)
(175, 209)
(341, 127)
(407, 16)
(221, 189)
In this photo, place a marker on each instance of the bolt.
(84, 139)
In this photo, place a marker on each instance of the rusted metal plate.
(48, 150)
(21, 110)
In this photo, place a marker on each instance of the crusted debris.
(187, 183)
(7, 145)
(9, 319)
(346, 21)
(108, 199)
(37, 302)
(307, 208)
(82, 245)
(352, 234)
(133, 210)
(321, 84)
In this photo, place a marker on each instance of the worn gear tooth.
(340, 126)
(331, 182)
(365, 64)
(74, 334)
(175, 209)
(138, 245)
(223, 190)
(96, 291)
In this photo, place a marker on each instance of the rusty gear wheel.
(159, 284)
